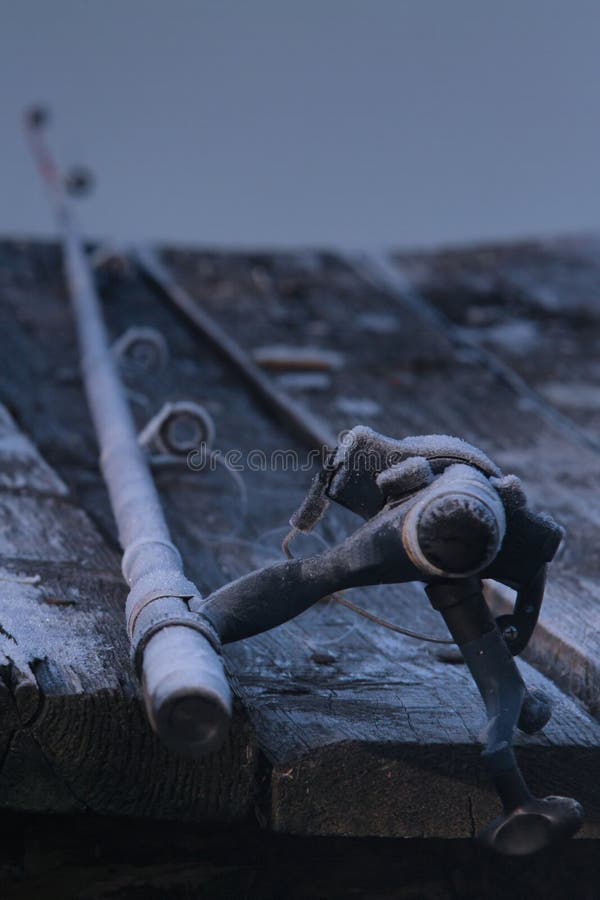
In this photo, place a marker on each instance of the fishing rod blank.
(176, 654)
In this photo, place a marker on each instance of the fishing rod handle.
(186, 692)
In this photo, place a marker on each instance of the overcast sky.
(339, 122)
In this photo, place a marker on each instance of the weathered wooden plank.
(340, 708)
(73, 734)
(326, 291)
(44, 529)
(21, 466)
(390, 725)
(535, 305)
(78, 739)
(417, 377)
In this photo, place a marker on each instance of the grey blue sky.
(339, 122)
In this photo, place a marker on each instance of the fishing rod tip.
(186, 693)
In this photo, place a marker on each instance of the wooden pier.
(341, 728)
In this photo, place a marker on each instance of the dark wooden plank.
(340, 708)
(417, 378)
(78, 738)
(21, 466)
(390, 725)
(534, 307)
(408, 372)
(73, 734)
(321, 299)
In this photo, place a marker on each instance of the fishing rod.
(435, 510)
(176, 654)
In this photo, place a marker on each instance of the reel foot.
(533, 825)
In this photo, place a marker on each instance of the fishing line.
(343, 601)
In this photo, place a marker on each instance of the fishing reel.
(439, 511)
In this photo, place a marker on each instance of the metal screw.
(510, 633)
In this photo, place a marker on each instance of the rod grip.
(187, 696)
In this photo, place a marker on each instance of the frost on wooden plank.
(330, 707)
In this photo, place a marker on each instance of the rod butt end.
(187, 696)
